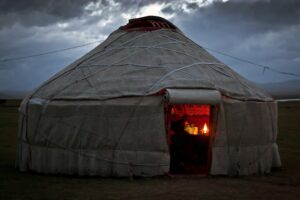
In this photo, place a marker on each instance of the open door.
(189, 138)
(190, 124)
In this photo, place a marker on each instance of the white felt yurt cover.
(103, 114)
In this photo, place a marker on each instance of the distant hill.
(278, 90)
(282, 90)
(15, 94)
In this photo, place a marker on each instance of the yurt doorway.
(188, 132)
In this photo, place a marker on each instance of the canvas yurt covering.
(105, 114)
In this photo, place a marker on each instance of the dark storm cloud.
(45, 12)
(266, 14)
(259, 15)
(266, 32)
(30, 27)
(39, 12)
(127, 4)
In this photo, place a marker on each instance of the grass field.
(283, 184)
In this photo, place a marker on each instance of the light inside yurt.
(196, 118)
(205, 130)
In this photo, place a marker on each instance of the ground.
(281, 184)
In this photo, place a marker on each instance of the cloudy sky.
(262, 31)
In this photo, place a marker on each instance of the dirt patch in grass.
(281, 184)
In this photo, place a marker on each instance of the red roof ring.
(148, 23)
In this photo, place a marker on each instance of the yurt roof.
(142, 58)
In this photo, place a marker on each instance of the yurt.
(148, 101)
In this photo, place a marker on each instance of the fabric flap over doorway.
(192, 96)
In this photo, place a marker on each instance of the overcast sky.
(263, 31)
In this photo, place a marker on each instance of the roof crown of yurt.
(148, 101)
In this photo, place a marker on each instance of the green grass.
(283, 184)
